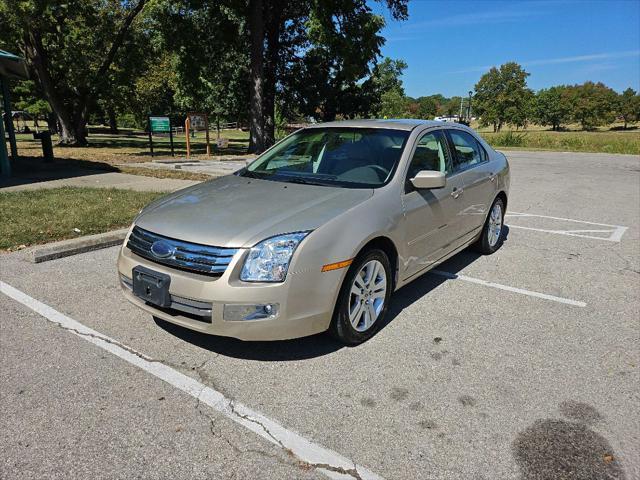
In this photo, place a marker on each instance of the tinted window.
(352, 157)
(467, 151)
(430, 154)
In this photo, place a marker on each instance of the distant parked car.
(318, 231)
(449, 118)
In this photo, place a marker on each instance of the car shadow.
(276, 351)
(321, 344)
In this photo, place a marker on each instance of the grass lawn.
(40, 216)
(134, 148)
(573, 141)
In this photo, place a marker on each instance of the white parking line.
(310, 454)
(615, 231)
(521, 291)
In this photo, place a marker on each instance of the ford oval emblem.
(162, 249)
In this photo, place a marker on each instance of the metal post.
(171, 136)
(150, 136)
(187, 126)
(7, 108)
(206, 126)
(5, 166)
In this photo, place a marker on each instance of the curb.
(74, 246)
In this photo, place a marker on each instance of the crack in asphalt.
(353, 472)
(208, 382)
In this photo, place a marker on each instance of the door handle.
(492, 177)
(456, 192)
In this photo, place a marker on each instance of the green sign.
(160, 124)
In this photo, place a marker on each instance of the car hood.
(235, 211)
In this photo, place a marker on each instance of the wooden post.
(187, 126)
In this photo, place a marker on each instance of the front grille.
(192, 257)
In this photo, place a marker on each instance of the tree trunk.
(272, 33)
(113, 121)
(256, 115)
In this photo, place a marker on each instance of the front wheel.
(363, 299)
(493, 232)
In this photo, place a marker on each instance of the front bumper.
(306, 299)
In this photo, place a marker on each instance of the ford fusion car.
(318, 232)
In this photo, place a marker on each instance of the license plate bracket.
(151, 286)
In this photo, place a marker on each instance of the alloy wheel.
(367, 295)
(495, 224)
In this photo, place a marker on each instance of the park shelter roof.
(12, 66)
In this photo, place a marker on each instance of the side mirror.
(429, 179)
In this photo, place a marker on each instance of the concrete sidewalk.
(211, 167)
(99, 179)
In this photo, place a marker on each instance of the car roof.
(391, 123)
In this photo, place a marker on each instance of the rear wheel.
(364, 297)
(493, 232)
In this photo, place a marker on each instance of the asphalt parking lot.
(523, 364)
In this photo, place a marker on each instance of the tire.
(490, 240)
(355, 328)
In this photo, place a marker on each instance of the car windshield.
(346, 157)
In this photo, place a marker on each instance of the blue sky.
(449, 44)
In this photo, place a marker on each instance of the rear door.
(472, 168)
(431, 216)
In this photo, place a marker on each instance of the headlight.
(269, 260)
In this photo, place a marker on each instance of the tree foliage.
(502, 96)
(629, 106)
(592, 104)
(70, 48)
(553, 106)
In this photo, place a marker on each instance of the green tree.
(502, 96)
(552, 107)
(629, 106)
(343, 44)
(26, 97)
(154, 90)
(318, 53)
(593, 104)
(208, 52)
(393, 104)
(427, 108)
(450, 107)
(382, 87)
(69, 47)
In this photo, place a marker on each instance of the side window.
(430, 154)
(467, 151)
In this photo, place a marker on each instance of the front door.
(431, 216)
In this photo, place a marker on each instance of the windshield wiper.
(301, 180)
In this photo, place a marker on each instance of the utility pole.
(469, 108)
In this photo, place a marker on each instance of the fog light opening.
(234, 313)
